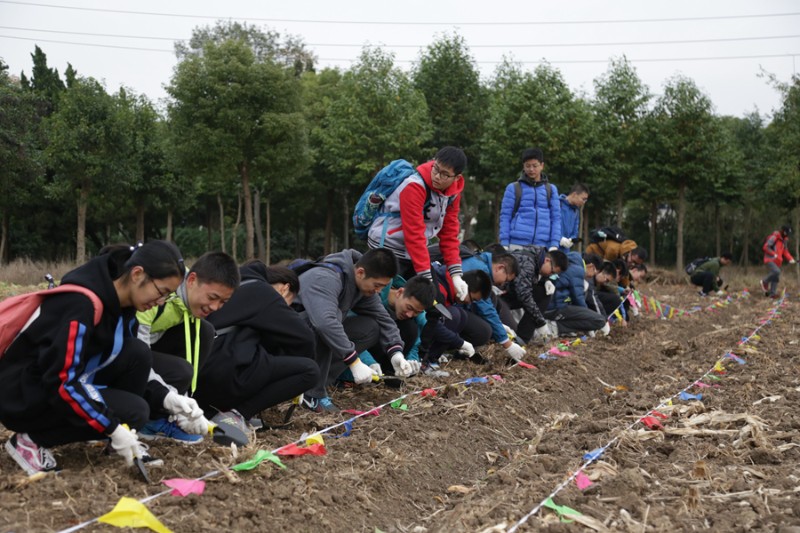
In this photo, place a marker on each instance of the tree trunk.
(83, 207)
(653, 231)
(257, 225)
(221, 207)
(717, 231)
(169, 225)
(267, 230)
(235, 232)
(140, 220)
(496, 212)
(620, 200)
(4, 240)
(795, 218)
(346, 221)
(248, 211)
(329, 222)
(297, 241)
(745, 259)
(681, 219)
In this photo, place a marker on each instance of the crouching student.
(340, 283)
(462, 331)
(706, 276)
(66, 379)
(568, 307)
(180, 338)
(263, 352)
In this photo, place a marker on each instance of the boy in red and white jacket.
(775, 251)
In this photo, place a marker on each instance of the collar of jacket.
(523, 178)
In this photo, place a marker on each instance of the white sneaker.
(605, 330)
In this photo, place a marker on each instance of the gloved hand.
(461, 287)
(361, 372)
(178, 404)
(416, 366)
(515, 352)
(552, 249)
(543, 333)
(376, 367)
(565, 242)
(467, 349)
(792, 261)
(549, 288)
(402, 367)
(720, 293)
(125, 443)
(195, 426)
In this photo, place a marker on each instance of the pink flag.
(582, 481)
(184, 487)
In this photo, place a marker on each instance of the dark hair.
(282, 274)
(532, 153)
(452, 157)
(378, 263)
(217, 267)
(559, 260)
(422, 289)
(478, 281)
(507, 260)
(641, 267)
(472, 244)
(495, 249)
(593, 259)
(621, 266)
(726, 255)
(640, 252)
(158, 259)
(608, 268)
(787, 229)
(579, 188)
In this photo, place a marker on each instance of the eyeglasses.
(163, 298)
(533, 166)
(441, 174)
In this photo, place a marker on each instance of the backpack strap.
(517, 198)
(97, 303)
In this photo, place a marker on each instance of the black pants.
(409, 332)
(363, 331)
(124, 382)
(527, 324)
(705, 280)
(609, 300)
(574, 319)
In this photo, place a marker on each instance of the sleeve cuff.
(350, 358)
(455, 270)
(426, 274)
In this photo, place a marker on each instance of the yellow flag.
(718, 367)
(618, 315)
(671, 312)
(132, 513)
(315, 439)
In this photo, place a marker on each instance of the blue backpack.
(382, 185)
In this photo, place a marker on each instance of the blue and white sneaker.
(162, 428)
(320, 405)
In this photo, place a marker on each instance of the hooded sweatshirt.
(52, 364)
(328, 294)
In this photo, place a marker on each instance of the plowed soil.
(480, 457)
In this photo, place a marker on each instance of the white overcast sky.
(733, 40)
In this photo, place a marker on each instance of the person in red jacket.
(775, 251)
(425, 206)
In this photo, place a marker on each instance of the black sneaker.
(320, 405)
(764, 288)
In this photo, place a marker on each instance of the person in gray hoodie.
(343, 282)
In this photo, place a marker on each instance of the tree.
(689, 137)
(85, 138)
(229, 110)
(376, 116)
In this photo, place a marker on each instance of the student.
(463, 331)
(502, 269)
(775, 252)
(405, 301)
(178, 328)
(568, 307)
(66, 380)
(628, 250)
(571, 209)
(608, 288)
(530, 213)
(425, 206)
(343, 282)
(706, 275)
(531, 291)
(263, 352)
(598, 273)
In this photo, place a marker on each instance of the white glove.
(415, 366)
(125, 443)
(515, 352)
(565, 242)
(606, 329)
(195, 426)
(552, 249)
(720, 293)
(792, 261)
(376, 367)
(510, 332)
(402, 367)
(543, 333)
(549, 288)
(461, 287)
(467, 349)
(361, 372)
(177, 404)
